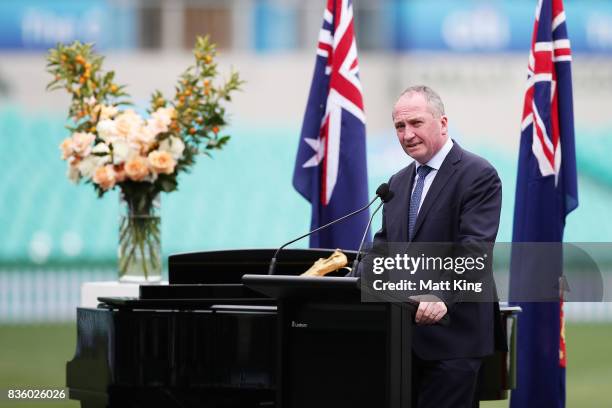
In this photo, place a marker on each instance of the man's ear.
(444, 124)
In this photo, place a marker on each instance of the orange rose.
(136, 168)
(67, 148)
(162, 162)
(104, 177)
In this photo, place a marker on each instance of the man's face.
(418, 130)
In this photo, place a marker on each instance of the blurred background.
(57, 235)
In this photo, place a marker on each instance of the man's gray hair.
(433, 99)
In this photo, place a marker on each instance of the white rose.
(87, 166)
(145, 135)
(121, 151)
(160, 120)
(174, 146)
(107, 130)
(101, 148)
(128, 124)
(155, 127)
(81, 143)
(107, 112)
(102, 152)
(164, 115)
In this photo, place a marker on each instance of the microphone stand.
(273, 260)
(353, 271)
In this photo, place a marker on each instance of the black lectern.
(334, 350)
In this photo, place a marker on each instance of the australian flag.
(330, 168)
(546, 193)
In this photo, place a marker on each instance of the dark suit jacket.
(462, 205)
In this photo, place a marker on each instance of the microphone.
(382, 192)
(385, 198)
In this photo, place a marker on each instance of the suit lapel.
(444, 174)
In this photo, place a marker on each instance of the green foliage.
(198, 102)
(77, 69)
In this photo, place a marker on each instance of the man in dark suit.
(446, 195)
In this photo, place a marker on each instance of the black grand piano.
(208, 339)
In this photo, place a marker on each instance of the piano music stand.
(334, 350)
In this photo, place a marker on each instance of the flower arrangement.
(113, 146)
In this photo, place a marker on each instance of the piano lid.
(228, 266)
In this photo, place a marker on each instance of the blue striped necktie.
(415, 200)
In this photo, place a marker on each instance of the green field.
(35, 356)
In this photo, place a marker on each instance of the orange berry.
(79, 59)
(208, 58)
(215, 130)
(114, 88)
(192, 131)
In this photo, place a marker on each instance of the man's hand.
(430, 310)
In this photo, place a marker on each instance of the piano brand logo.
(299, 325)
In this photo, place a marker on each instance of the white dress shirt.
(435, 162)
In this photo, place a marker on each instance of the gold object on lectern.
(323, 266)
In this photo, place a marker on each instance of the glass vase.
(139, 255)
